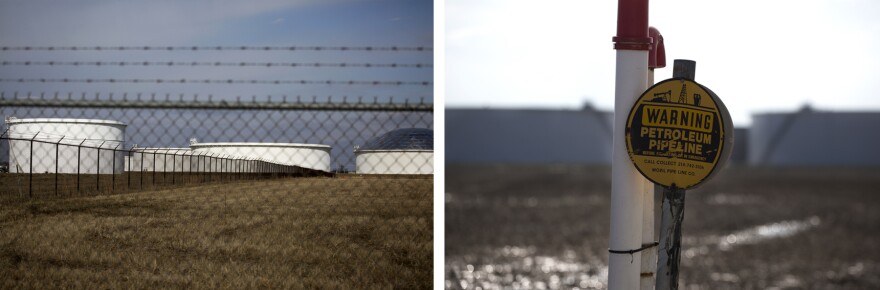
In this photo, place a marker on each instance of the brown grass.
(343, 233)
(43, 185)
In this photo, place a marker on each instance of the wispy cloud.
(114, 22)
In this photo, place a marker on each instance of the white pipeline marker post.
(656, 59)
(631, 76)
(627, 185)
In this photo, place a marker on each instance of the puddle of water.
(520, 268)
(753, 235)
(513, 267)
(725, 277)
(731, 199)
(765, 232)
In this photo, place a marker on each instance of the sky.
(381, 23)
(758, 56)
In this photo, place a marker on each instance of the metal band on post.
(632, 43)
(633, 251)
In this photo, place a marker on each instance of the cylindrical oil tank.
(87, 146)
(160, 160)
(311, 156)
(814, 138)
(402, 151)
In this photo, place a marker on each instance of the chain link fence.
(197, 193)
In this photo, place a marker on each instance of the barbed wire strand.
(215, 81)
(216, 63)
(151, 101)
(217, 48)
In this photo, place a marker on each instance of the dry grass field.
(66, 184)
(295, 233)
(546, 227)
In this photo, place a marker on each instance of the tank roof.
(258, 144)
(402, 139)
(14, 120)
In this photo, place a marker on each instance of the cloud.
(278, 21)
(106, 22)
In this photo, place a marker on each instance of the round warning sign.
(677, 133)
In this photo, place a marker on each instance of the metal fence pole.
(31, 168)
(128, 173)
(154, 169)
(141, 173)
(204, 168)
(113, 181)
(164, 167)
(56, 163)
(78, 161)
(173, 166)
(210, 166)
(190, 175)
(98, 170)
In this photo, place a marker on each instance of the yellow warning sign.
(675, 133)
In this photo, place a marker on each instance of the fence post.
(113, 181)
(141, 172)
(78, 161)
(98, 170)
(204, 168)
(128, 173)
(191, 172)
(31, 169)
(210, 163)
(154, 169)
(56, 163)
(164, 167)
(173, 166)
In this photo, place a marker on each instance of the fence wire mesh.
(122, 192)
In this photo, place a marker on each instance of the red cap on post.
(632, 25)
(657, 52)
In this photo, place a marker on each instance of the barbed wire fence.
(329, 193)
(46, 146)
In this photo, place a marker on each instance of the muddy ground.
(546, 227)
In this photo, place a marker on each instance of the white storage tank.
(814, 138)
(311, 156)
(528, 136)
(402, 151)
(77, 141)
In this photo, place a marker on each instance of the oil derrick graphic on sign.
(682, 97)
